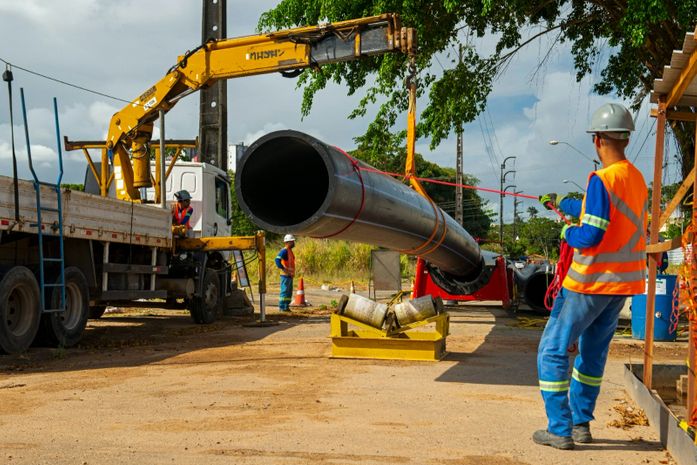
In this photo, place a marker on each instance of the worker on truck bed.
(285, 261)
(181, 210)
(609, 264)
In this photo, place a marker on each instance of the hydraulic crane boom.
(130, 129)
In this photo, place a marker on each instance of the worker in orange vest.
(609, 265)
(285, 261)
(182, 210)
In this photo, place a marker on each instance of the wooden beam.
(676, 115)
(655, 213)
(677, 198)
(665, 246)
(684, 80)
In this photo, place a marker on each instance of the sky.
(122, 48)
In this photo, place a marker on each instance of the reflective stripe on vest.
(617, 265)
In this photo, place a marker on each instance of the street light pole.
(593, 160)
(503, 192)
(569, 181)
(503, 180)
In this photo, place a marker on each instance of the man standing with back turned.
(609, 264)
(285, 261)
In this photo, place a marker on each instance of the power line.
(65, 83)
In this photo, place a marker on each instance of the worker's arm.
(571, 206)
(282, 255)
(595, 220)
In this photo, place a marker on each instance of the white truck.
(113, 252)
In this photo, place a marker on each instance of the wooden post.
(655, 215)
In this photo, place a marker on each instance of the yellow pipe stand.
(353, 339)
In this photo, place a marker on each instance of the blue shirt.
(282, 255)
(596, 218)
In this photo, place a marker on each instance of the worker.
(182, 210)
(285, 261)
(608, 266)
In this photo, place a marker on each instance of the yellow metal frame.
(353, 339)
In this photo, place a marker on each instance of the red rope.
(566, 256)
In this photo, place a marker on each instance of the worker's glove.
(548, 199)
(562, 235)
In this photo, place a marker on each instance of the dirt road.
(152, 388)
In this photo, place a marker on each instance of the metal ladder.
(57, 226)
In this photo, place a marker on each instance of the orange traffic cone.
(299, 300)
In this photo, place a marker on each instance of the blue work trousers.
(286, 294)
(591, 320)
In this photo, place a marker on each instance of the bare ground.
(150, 387)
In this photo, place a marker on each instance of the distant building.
(234, 153)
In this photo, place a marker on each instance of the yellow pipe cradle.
(422, 340)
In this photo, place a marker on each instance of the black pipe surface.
(290, 182)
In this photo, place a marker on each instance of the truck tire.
(64, 329)
(19, 310)
(205, 309)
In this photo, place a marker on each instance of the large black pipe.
(290, 182)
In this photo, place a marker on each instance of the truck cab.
(210, 196)
(208, 185)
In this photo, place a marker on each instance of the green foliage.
(541, 236)
(241, 225)
(627, 42)
(74, 187)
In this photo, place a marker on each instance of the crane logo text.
(265, 54)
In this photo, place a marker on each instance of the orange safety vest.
(289, 263)
(182, 216)
(617, 265)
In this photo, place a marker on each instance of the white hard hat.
(612, 119)
(288, 238)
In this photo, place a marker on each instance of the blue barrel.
(665, 284)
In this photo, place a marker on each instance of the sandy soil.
(150, 387)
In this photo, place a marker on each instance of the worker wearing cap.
(608, 265)
(181, 210)
(285, 261)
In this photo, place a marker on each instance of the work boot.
(582, 433)
(545, 438)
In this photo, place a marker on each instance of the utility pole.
(458, 171)
(516, 202)
(503, 180)
(212, 139)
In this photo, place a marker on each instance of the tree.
(532, 212)
(241, 225)
(542, 236)
(628, 42)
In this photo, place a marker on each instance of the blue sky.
(122, 48)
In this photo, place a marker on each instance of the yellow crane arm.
(130, 129)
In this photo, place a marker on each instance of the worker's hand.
(548, 199)
(562, 235)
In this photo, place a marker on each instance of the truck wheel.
(97, 311)
(19, 310)
(64, 329)
(205, 309)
